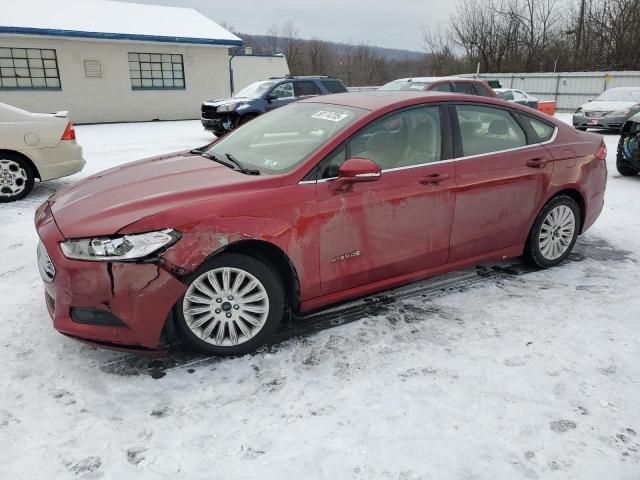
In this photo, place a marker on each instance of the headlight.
(620, 113)
(120, 248)
(229, 107)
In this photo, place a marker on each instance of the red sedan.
(318, 202)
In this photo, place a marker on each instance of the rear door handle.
(434, 179)
(537, 162)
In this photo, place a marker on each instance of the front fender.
(200, 242)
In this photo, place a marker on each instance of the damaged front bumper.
(220, 123)
(123, 306)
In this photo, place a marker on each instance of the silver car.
(610, 110)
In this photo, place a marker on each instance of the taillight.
(69, 132)
(601, 154)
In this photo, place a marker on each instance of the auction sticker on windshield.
(331, 116)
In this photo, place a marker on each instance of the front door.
(501, 180)
(280, 96)
(398, 224)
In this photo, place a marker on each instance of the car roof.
(433, 79)
(379, 99)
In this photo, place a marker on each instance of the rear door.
(398, 224)
(305, 89)
(502, 176)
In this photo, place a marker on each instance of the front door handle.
(537, 162)
(434, 179)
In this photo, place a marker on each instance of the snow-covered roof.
(111, 20)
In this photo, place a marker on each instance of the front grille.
(596, 114)
(45, 265)
(209, 112)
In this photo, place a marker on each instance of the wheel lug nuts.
(230, 297)
(218, 310)
(236, 307)
(219, 300)
(229, 315)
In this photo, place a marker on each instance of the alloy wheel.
(13, 178)
(226, 306)
(556, 232)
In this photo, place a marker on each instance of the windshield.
(621, 95)
(256, 89)
(405, 85)
(281, 140)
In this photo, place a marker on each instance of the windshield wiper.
(245, 170)
(234, 163)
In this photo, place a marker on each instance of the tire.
(218, 133)
(582, 129)
(16, 178)
(210, 328)
(552, 238)
(624, 168)
(246, 118)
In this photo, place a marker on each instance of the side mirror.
(356, 170)
(271, 97)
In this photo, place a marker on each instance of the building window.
(156, 71)
(29, 68)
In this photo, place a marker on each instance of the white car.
(35, 146)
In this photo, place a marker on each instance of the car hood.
(105, 203)
(606, 106)
(224, 101)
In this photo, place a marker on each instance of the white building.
(109, 61)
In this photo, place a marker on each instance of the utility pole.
(580, 28)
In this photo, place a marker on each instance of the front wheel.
(232, 306)
(582, 129)
(554, 232)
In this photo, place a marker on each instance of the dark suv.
(224, 114)
(467, 86)
(628, 159)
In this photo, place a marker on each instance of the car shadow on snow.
(588, 247)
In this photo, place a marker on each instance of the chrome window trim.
(551, 140)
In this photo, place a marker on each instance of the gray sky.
(393, 24)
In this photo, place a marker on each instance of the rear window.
(464, 87)
(334, 86)
(542, 130)
(305, 89)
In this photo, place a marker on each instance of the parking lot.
(490, 373)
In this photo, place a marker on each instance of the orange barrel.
(547, 106)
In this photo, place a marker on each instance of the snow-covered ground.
(516, 376)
